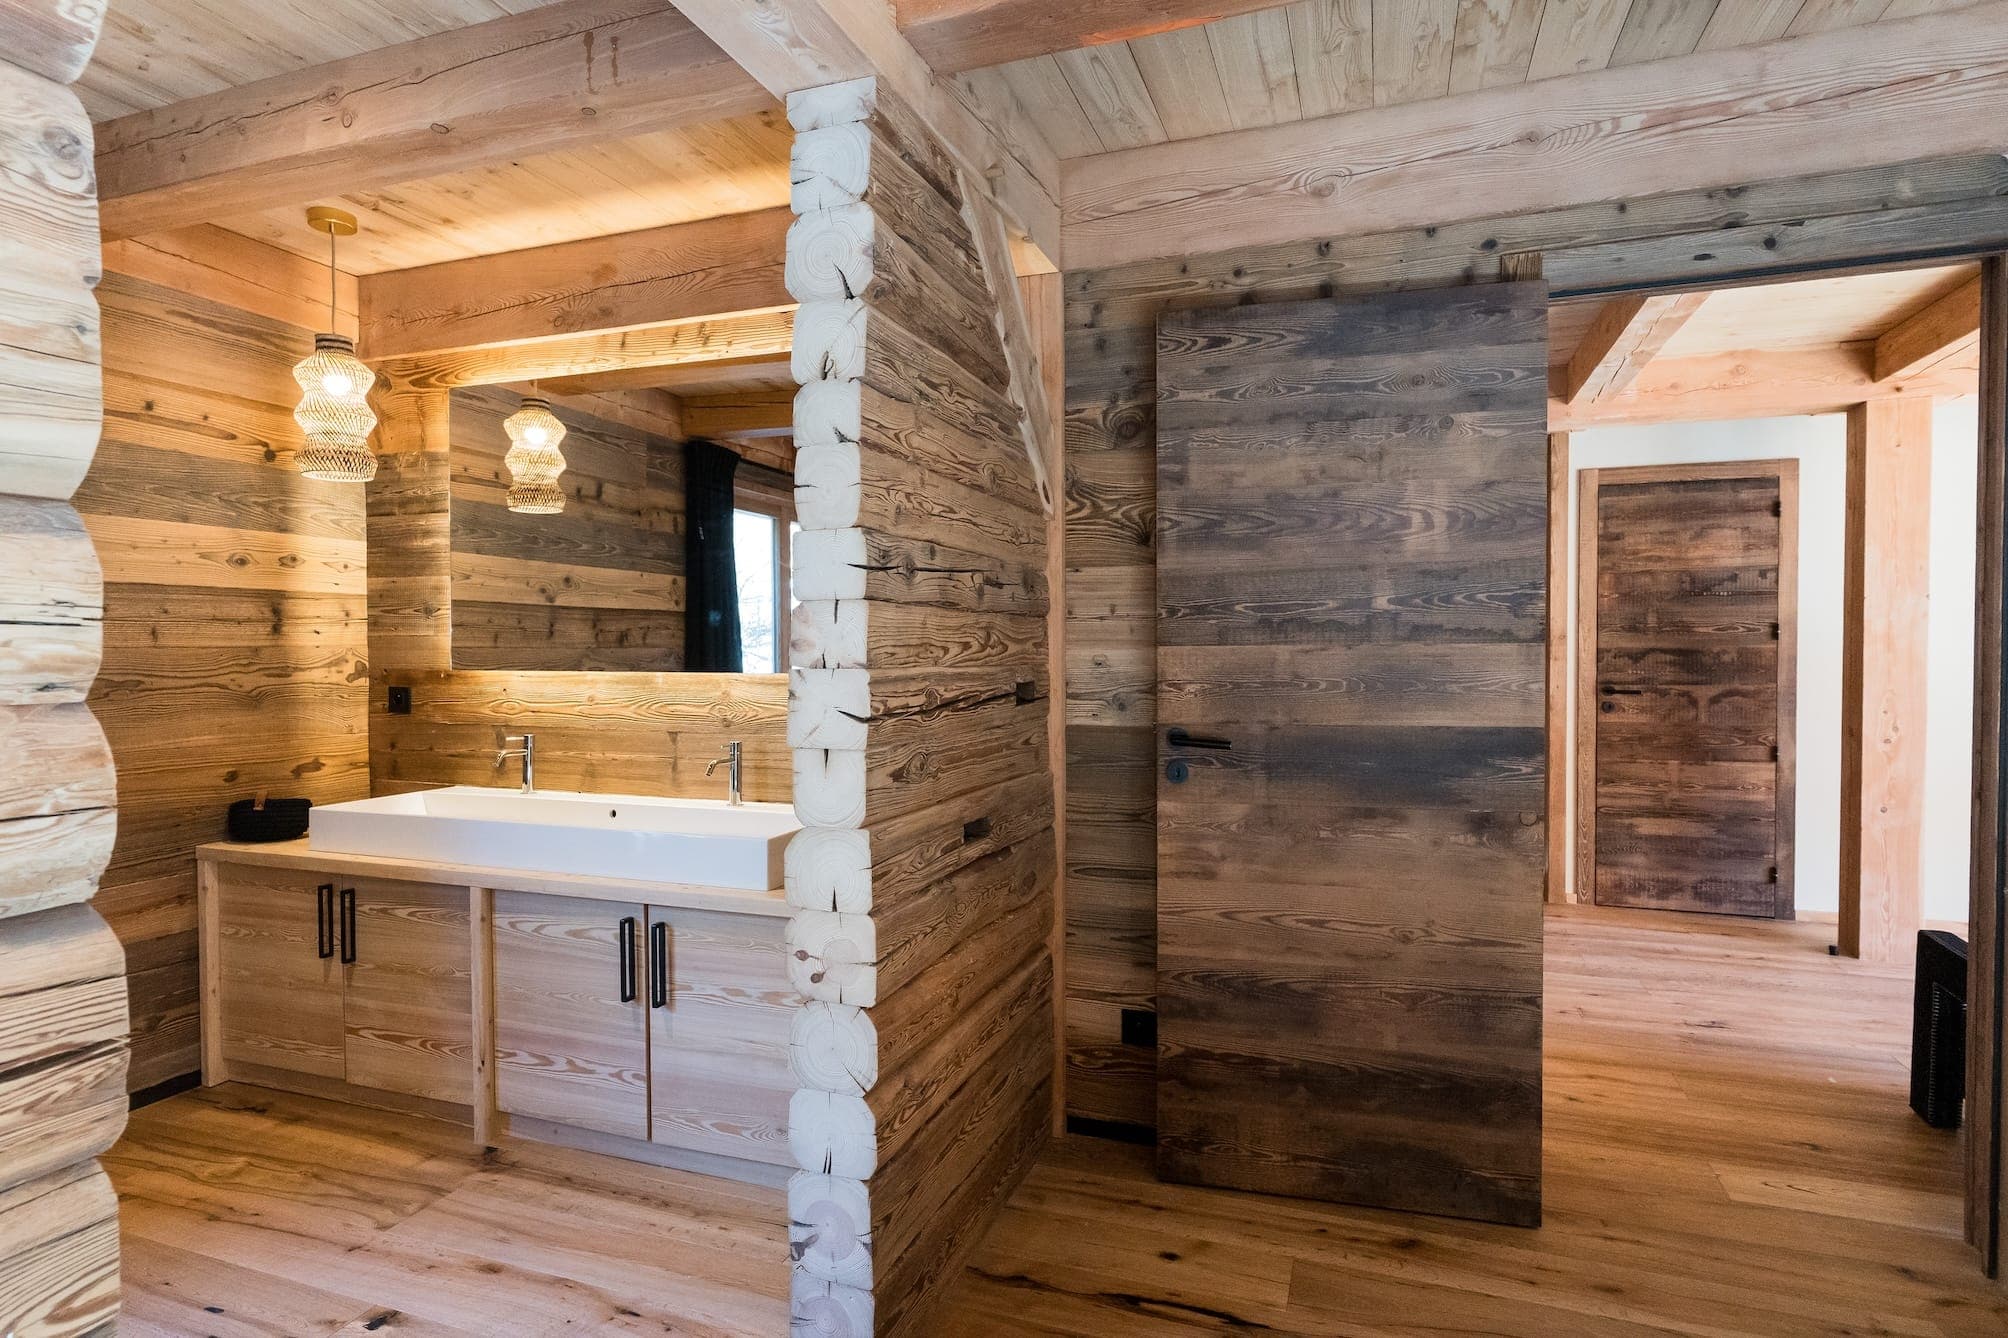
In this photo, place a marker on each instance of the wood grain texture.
(1293, 931)
(1986, 1189)
(1694, 122)
(685, 270)
(922, 878)
(235, 644)
(1674, 1134)
(449, 101)
(1886, 615)
(1110, 592)
(63, 990)
(1683, 627)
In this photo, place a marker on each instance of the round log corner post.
(922, 880)
(63, 1020)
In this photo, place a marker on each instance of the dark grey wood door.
(1352, 606)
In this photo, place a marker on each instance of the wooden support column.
(1558, 667)
(918, 715)
(63, 1022)
(1886, 618)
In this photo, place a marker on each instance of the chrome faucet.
(731, 759)
(528, 752)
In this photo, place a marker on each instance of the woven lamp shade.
(335, 413)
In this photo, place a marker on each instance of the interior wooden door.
(408, 999)
(1689, 610)
(279, 974)
(571, 1035)
(1352, 501)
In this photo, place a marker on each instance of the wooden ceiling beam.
(601, 284)
(762, 334)
(1720, 387)
(1831, 102)
(559, 77)
(1628, 333)
(847, 51)
(956, 35)
(790, 46)
(1946, 329)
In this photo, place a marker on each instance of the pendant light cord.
(332, 327)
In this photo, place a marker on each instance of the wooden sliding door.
(1352, 586)
(1688, 620)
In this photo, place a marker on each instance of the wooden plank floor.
(1728, 1149)
(1728, 1153)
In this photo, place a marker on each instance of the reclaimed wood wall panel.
(1350, 849)
(923, 879)
(598, 586)
(619, 732)
(63, 1007)
(235, 642)
(1111, 482)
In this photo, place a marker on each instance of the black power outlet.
(400, 701)
(1139, 1027)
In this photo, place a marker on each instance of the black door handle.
(658, 964)
(1178, 738)
(324, 921)
(348, 926)
(627, 949)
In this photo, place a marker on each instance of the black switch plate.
(1139, 1027)
(400, 701)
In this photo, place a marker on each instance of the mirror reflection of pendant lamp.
(334, 410)
(534, 459)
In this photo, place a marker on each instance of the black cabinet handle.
(348, 925)
(324, 921)
(658, 964)
(628, 983)
(1178, 738)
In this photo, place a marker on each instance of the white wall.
(1819, 444)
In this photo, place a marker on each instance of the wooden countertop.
(690, 896)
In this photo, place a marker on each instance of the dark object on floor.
(1938, 1029)
(263, 819)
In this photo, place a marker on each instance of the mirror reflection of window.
(756, 544)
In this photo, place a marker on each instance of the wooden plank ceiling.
(1320, 57)
(1094, 77)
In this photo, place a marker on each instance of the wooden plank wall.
(922, 880)
(235, 648)
(1110, 858)
(627, 732)
(598, 586)
(62, 980)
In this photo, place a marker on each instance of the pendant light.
(534, 459)
(334, 409)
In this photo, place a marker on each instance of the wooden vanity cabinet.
(662, 1025)
(719, 1080)
(356, 980)
(278, 977)
(571, 1041)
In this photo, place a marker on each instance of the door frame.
(1584, 829)
(1694, 262)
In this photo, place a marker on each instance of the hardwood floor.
(1728, 1153)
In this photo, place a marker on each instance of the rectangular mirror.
(669, 553)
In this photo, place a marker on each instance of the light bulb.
(337, 384)
(536, 436)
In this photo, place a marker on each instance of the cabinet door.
(280, 999)
(718, 1038)
(408, 1006)
(568, 1047)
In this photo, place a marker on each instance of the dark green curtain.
(711, 577)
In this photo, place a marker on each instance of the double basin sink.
(697, 841)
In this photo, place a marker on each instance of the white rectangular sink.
(701, 841)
